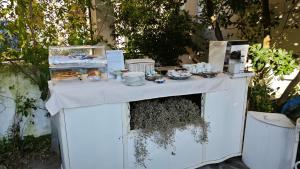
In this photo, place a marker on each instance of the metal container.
(271, 141)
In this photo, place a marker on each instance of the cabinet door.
(185, 152)
(225, 111)
(157, 157)
(188, 152)
(94, 136)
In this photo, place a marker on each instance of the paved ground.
(233, 163)
(54, 163)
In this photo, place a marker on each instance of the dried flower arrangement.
(159, 119)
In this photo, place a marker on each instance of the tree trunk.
(210, 13)
(266, 17)
(283, 98)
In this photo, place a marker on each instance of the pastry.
(65, 75)
(94, 72)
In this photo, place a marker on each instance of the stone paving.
(233, 163)
(54, 163)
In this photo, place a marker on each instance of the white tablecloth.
(80, 94)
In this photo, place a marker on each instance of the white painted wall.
(280, 85)
(24, 87)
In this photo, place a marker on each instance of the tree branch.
(288, 90)
(266, 17)
(210, 13)
(289, 13)
(29, 25)
(24, 72)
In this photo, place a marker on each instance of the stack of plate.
(134, 78)
(179, 74)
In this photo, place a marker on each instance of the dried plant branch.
(158, 120)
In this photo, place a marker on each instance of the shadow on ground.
(233, 163)
(53, 162)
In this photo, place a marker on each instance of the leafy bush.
(28, 28)
(157, 29)
(280, 61)
(261, 95)
(267, 63)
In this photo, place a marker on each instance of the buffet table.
(92, 119)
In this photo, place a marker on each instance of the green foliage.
(249, 18)
(235, 14)
(28, 28)
(25, 105)
(15, 149)
(261, 95)
(14, 152)
(251, 22)
(159, 118)
(280, 61)
(267, 64)
(157, 29)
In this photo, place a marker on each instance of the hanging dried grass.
(159, 118)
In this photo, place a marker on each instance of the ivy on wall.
(27, 29)
(19, 98)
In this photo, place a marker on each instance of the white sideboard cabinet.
(99, 137)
